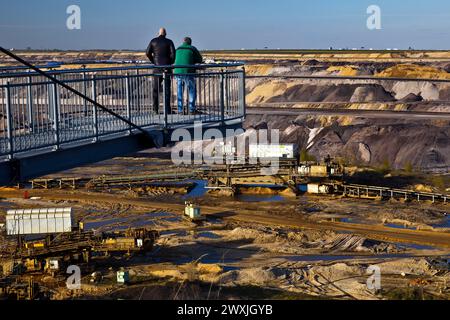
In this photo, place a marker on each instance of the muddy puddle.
(200, 190)
(399, 226)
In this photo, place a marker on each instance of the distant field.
(90, 57)
(398, 56)
(240, 51)
(315, 51)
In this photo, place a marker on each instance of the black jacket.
(161, 51)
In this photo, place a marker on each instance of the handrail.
(109, 77)
(143, 67)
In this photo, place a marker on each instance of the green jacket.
(187, 55)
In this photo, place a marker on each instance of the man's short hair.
(188, 40)
(163, 32)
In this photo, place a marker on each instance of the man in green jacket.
(187, 55)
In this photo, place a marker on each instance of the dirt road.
(383, 114)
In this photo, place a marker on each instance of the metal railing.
(36, 113)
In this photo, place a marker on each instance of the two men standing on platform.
(161, 52)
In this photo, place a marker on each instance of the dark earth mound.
(335, 93)
(368, 142)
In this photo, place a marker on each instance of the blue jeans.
(182, 81)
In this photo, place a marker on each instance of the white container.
(123, 277)
(263, 151)
(304, 170)
(53, 265)
(39, 221)
(315, 188)
(192, 212)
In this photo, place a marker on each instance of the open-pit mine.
(361, 190)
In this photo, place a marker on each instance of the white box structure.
(314, 188)
(38, 221)
(263, 151)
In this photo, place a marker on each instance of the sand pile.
(190, 271)
(287, 192)
(427, 90)
(346, 280)
(413, 266)
(423, 188)
(335, 280)
(371, 93)
(413, 71)
(259, 236)
(221, 192)
(258, 69)
(267, 90)
(250, 276)
(343, 71)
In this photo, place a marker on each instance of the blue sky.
(226, 24)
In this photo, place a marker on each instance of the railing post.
(55, 115)
(128, 93)
(9, 123)
(50, 101)
(94, 108)
(226, 93)
(243, 105)
(165, 93)
(222, 98)
(138, 89)
(30, 103)
(85, 93)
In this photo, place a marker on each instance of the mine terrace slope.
(354, 83)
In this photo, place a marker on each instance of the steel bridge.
(45, 127)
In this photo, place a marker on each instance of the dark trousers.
(158, 91)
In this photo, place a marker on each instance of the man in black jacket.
(161, 52)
